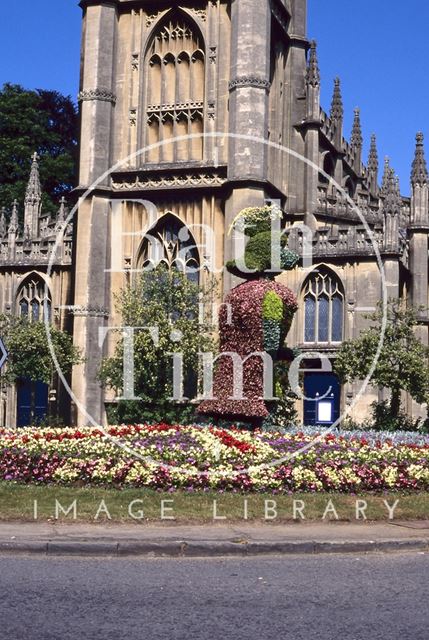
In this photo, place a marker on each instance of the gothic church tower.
(177, 102)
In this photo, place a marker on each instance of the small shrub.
(138, 412)
(382, 419)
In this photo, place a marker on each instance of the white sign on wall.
(324, 412)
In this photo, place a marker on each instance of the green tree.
(29, 356)
(403, 361)
(42, 121)
(171, 303)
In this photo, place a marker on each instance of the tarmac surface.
(302, 597)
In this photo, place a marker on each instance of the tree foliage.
(171, 304)
(41, 121)
(29, 356)
(403, 361)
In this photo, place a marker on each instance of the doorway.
(323, 390)
(32, 403)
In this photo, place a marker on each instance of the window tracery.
(171, 244)
(34, 301)
(175, 91)
(323, 309)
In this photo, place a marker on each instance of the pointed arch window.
(350, 187)
(175, 90)
(34, 301)
(323, 309)
(328, 168)
(170, 243)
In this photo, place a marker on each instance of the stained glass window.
(310, 319)
(323, 304)
(324, 309)
(337, 318)
(35, 310)
(23, 308)
(34, 300)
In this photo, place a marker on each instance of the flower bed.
(195, 458)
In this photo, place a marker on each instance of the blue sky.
(377, 47)
(379, 50)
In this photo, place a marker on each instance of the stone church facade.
(35, 280)
(193, 110)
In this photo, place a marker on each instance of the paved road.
(329, 597)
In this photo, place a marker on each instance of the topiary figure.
(255, 318)
(256, 223)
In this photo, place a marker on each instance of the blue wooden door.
(323, 393)
(32, 403)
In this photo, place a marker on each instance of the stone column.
(92, 237)
(312, 152)
(392, 276)
(295, 89)
(97, 98)
(248, 105)
(419, 233)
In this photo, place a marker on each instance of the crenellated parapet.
(335, 204)
(36, 253)
(340, 241)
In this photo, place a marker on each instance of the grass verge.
(17, 502)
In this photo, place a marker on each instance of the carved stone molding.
(90, 312)
(135, 61)
(170, 180)
(103, 95)
(151, 17)
(180, 106)
(211, 110)
(249, 81)
(213, 55)
(200, 13)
